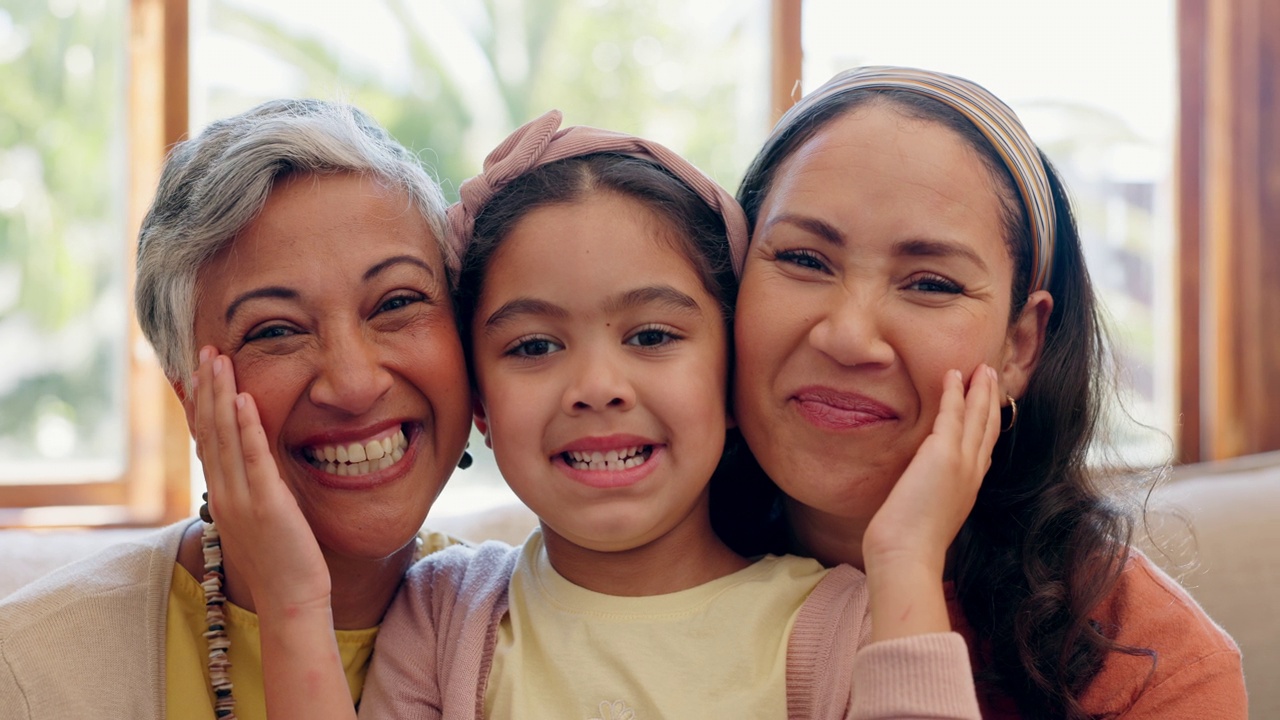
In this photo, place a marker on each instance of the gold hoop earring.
(1013, 414)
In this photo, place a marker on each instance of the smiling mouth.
(609, 460)
(355, 459)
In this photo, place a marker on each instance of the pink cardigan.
(437, 641)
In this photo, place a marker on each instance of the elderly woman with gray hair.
(304, 243)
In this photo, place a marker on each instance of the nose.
(850, 331)
(351, 376)
(599, 382)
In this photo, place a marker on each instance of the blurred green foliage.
(62, 175)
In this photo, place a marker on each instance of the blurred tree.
(62, 166)
(479, 68)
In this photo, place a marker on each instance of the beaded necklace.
(219, 643)
(216, 635)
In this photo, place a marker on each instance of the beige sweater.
(87, 641)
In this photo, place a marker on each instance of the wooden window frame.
(155, 487)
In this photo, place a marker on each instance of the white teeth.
(620, 459)
(359, 458)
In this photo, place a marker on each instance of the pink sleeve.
(403, 679)
(923, 676)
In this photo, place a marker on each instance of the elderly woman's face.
(333, 307)
(879, 262)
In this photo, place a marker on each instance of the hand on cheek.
(263, 530)
(906, 542)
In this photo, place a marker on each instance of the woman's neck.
(362, 589)
(829, 539)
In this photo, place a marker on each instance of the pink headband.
(541, 141)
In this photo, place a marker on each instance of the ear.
(1023, 345)
(188, 405)
(481, 420)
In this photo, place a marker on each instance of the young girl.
(596, 290)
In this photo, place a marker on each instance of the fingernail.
(217, 365)
(991, 372)
(956, 374)
(240, 401)
(205, 353)
(195, 382)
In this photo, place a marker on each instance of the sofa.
(1214, 526)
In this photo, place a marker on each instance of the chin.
(371, 540)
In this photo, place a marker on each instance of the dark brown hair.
(1043, 547)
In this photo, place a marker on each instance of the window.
(93, 91)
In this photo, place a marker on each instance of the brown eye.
(936, 284)
(802, 258)
(271, 332)
(651, 337)
(399, 301)
(534, 347)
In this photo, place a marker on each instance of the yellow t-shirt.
(188, 693)
(716, 650)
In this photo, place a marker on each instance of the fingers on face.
(258, 461)
(951, 409)
(981, 419)
(218, 430)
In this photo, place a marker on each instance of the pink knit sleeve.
(922, 676)
(403, 679)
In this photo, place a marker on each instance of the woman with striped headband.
(903, 223)
(598, 280)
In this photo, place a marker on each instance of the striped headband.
(995, 120)
(541, 141)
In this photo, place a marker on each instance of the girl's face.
(879, 261)
(332, 305)
(600, 360)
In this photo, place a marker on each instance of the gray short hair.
(216, 183)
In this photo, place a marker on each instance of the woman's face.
(879, 261)
(333, 307)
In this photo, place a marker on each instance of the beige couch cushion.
(1216, 528)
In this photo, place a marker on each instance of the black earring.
(465, 461)
(204, 509)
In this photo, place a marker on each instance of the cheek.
(276, 385)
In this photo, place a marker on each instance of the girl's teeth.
(610, 460)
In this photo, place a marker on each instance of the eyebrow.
(938, 248)
(919, 247)
(284, 293)
(274, 291)
(398, 260)
(523, 306)
(663, 295)
(820, 228)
